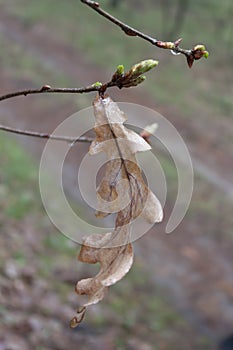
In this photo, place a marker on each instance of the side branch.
(49, 89)
(195, 53)
(119, 79)
(67, 139)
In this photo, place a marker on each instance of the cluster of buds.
(196, 53)
(134, 76)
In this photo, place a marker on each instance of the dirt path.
(195, 268)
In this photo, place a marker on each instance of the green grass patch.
(18, 174)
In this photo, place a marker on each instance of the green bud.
(120, 69)
(199, 47)
(142, 67)
(135, 82)
(139, 80)
(206, 54)
(97, 84)
(199, 51)
(167, 44)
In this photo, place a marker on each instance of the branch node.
(45, 87)
(103, 89)
(128, 31)
(93, 4)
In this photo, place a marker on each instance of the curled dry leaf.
(122, 191)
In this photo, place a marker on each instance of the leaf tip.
(76, 320)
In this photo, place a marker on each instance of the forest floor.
(179, 293)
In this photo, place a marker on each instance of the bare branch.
(49, 89)
(46, 136)
(119, 79)
(174, 46)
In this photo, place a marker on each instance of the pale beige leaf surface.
(123, 191)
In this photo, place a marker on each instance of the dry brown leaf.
(122, 190)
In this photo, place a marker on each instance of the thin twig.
(49, 89)
(68, 139)
(134, 32)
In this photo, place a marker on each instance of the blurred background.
(179, 293)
